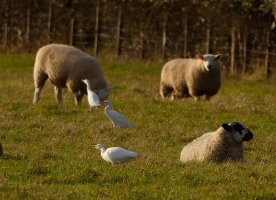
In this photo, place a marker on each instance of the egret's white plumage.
(116, 118)
(93, 99)
(116, 155)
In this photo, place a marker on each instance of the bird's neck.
(88, 85)
(107, 108)
(102, 150)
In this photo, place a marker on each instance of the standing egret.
(116, 155)
(93, 99)
(116, 118)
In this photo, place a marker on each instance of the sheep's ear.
(218, 56)
(200, 57)
(226, 127)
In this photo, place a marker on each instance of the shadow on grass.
(13, 157)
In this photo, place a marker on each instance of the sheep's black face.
(210, 62)
(240, 132)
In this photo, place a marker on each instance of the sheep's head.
(209, 61)
(239, 131)
(103, 93)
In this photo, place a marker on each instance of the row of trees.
(243, 31)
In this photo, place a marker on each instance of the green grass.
(49, 151)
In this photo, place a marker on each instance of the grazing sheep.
(191, 77)
(66, 66)
(224, 144)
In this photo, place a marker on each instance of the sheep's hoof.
(197, 98)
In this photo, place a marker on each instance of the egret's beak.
(96, 146)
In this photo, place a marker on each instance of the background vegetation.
(49, 151)
(243, 31)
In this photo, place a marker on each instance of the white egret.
(116, 118)
(116, 155)
(93, 99)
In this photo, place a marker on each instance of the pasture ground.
(49, 153)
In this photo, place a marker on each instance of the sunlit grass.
(49, 151)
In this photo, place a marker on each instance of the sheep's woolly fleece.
(65, 66)
(226, 143)
(181, 78)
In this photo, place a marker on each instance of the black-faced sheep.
(191, 77)
(65, 66)
(224, 144)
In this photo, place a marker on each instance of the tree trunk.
(71, 33)
(5, 5)
(266, 69)
(27, 37)
(119, 26)
(49, 22)
(142, 41)
(232, 53)
(185, 37)
(207, 37)
(96, 30)
(164, 37)
(5, 38)
(244, 57)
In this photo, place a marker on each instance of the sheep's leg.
(207, 98)
(78, 97)
(58, 95)
(197, 98)
(37, 94)
(165, 91)
(39, 81)
(181, 92)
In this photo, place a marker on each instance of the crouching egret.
(116, 118)
(116, 155)
(93, 99)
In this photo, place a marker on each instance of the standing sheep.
(66, 66)
(191, 77)
(224, 144)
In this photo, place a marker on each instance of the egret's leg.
(77, 98)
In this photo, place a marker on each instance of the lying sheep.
(191, 77)
(66, 66)
(224, 144)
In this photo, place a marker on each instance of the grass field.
(49, 151)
